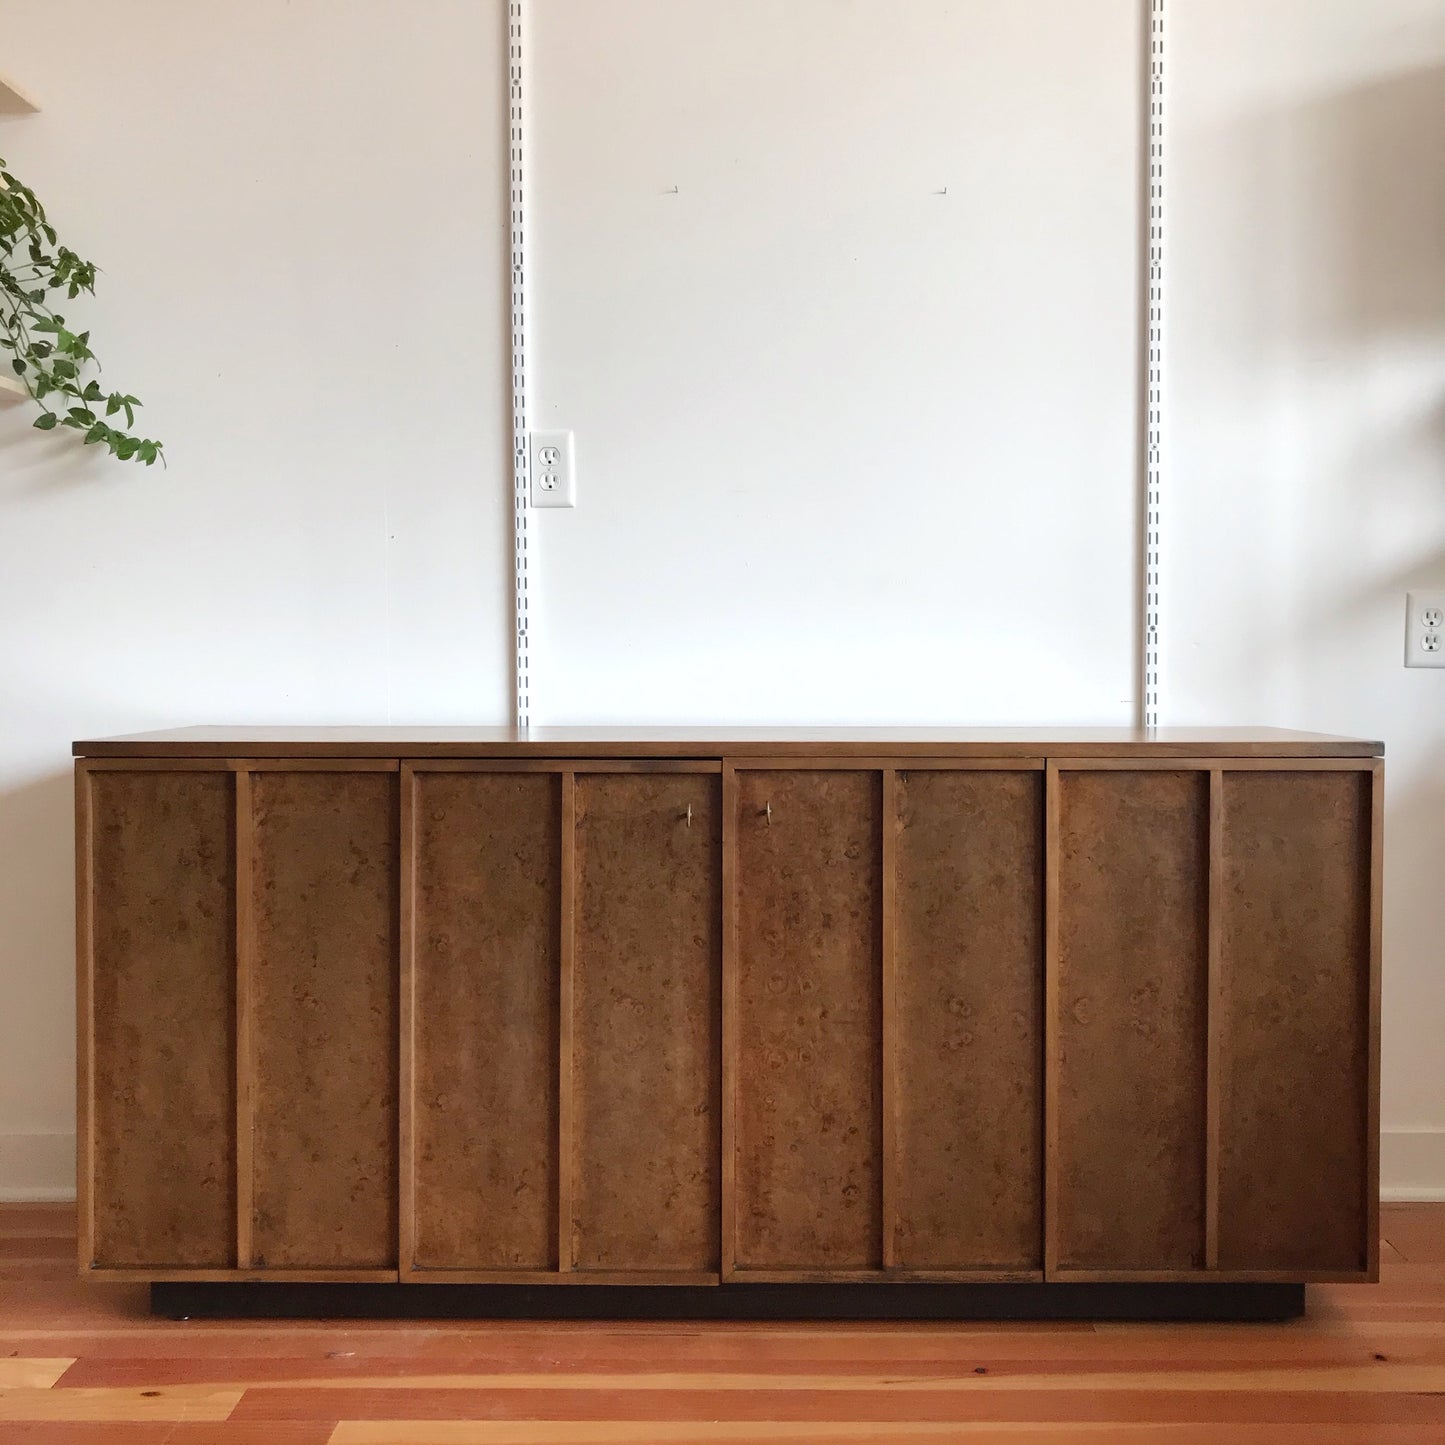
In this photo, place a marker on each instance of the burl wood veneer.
(666, 1009)
(1130, 1020)
(323, 1019)
(486, 891)
(809, 999)
(1295, 1021)
(645, 1067)
(163, 1168)
(967, 1024)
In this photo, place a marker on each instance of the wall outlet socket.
(1425, 629)
(554, 472)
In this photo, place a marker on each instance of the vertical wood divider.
(1214, 1018)
(1052, 829)
(84, 1020)
(245, 1055)
(566, 955)
(888, 823)
(1372, 1085)
(727, 1253)
(406, 1027)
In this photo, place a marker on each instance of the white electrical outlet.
(1425, 629)
(554, 473)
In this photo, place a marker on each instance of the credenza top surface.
(714, 742)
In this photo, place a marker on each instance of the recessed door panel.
(162, 969)
(646, 1022)
(1130, 1020)
(808, 1076)
(1295, 1021)
(486, 898)
(967, 1035)
(323, 981)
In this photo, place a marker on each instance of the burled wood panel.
(968, 1013)
(646, 1029)
(324, 1011)
(486, 925)
(1294, 1042)
(1132, 1039)
(809, 941)
(163, 877)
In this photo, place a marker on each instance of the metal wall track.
(521, 450)
(1153, 372)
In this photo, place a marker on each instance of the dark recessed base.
(266, 1300)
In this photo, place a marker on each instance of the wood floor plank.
(1378, 1377)
(17, 1372)
(168, 1402)
(167, 1432)
(1379, 1355)
(1415, 1231)
(1082, 1406)
(624, 1432)
(17, 1220)
(36, 1245)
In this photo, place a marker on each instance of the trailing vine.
(52, 361)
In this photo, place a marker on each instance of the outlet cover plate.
(1425, 629)
(554, 471)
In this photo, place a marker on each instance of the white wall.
(1306, 280)
(297, 210)
(849, 449)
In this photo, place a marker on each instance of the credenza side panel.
(1129, 1020)
(323, 1012)
(485, 888)
(646, 1011)
(807, 1084)
(967, 1025)
(160, 970)
(1294, 1029)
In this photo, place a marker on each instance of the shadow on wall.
(37, 904)
(1374, 152)
(1323, 341)
(1323, 258)
(1380, 290)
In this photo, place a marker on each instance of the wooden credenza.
(613, 1007)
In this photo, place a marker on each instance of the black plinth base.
(266, 1300)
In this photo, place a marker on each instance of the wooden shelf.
(12, 391)
(14, 101)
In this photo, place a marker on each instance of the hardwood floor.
(82, 1364)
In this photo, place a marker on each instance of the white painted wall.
(1306, 366)
(849, 450)
(747, 363)
(298, 214)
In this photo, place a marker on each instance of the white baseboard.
(37, 1168)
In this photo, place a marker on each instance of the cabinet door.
(156, 854)
(886, 1022)
(1298, 1185)
(1128, 1021)
(805, 1073)
(964, 1041)
(320, 891)
(563, 1021)
(1214, 1021)
(643, 1062)
(484, 890)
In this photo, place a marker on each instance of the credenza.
(861, 1011)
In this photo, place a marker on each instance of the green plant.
(51, 360)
